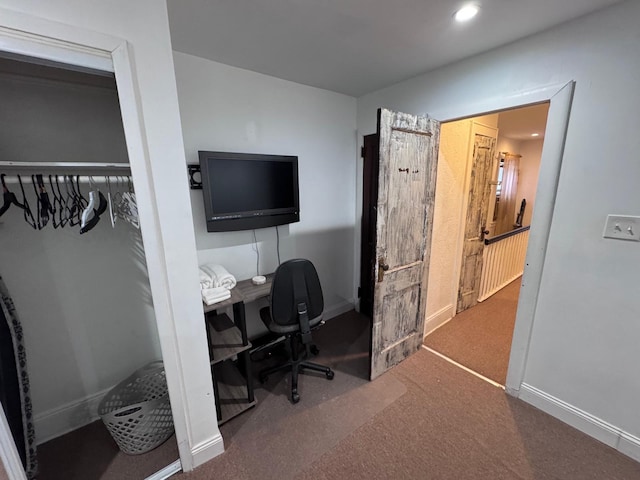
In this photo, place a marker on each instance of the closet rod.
(113, 179)
(95, 165)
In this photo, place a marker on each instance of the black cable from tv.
(255, 247)
(278, 243)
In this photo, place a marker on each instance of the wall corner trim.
(205, 451)
(439, 318)
(593, 426)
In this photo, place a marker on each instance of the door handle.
(382, 267)
(483, 232)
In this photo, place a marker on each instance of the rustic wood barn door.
(406, 193)
(476, 221)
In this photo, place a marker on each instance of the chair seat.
(265, 316)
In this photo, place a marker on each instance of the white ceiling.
(355, 46)
(520, 123)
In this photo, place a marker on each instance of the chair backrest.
(295, 281)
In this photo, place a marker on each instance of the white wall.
(84, 300)
(225, 108)
(174, 280)
(583, 347)
(531, 151)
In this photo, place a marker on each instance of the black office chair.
(296, 306)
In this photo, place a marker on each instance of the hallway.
(480, 338)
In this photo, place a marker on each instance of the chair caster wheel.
(295, 398)
(330, 375)
(314, 350)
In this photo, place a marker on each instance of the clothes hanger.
(91, 206)
(76, 206)
(131, 207)
(69, 201)
(97, 203)
(39, 224)
(112, 214)
(28, 214)
(55, 204)
(82, 201)
(61, 205)
(102, 202)
(44, 207)
(9, 197)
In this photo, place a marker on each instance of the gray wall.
(229, 109)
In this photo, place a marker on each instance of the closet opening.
(75, 288)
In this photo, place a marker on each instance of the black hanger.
(9, 197)
(56, 205)
(44, 207)
(82, 202)
(62, 211)
(102, 207)
(28, 215)
(75, 210)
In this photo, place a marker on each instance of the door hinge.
(362, 152)
(359, 292)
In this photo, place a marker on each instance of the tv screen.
(246, 191)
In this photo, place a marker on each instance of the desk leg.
(216, 395)
(241, 322)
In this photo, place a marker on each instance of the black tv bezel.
(252, 219)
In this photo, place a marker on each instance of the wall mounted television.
(244, 191)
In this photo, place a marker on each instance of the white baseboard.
(208, 450)
(339, 308)
(587, 423)
(66, 418)
(629, 445)
(439, 318)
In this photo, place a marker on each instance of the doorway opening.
(487, 173)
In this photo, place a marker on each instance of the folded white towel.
(219, 275)
(205, 280)
(215, 295)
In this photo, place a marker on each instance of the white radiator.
(502, 263)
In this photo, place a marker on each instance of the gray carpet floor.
(424, 419)
(480, 337)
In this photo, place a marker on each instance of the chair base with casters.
(296, 364)
(295, 309)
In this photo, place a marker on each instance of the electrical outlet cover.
(622, 227)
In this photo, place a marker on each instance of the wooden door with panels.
(475, 226)
(408, 152)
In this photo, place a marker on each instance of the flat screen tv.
(243, 191)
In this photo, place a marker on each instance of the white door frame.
(559, 97)
(36, 37)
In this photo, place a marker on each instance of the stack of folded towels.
(215, 283)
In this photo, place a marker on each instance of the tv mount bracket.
(195, 177)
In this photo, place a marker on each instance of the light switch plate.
(622, 227)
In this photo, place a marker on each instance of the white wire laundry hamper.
(137, 411)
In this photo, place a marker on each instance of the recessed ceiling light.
(466, 13)
(535, 134)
